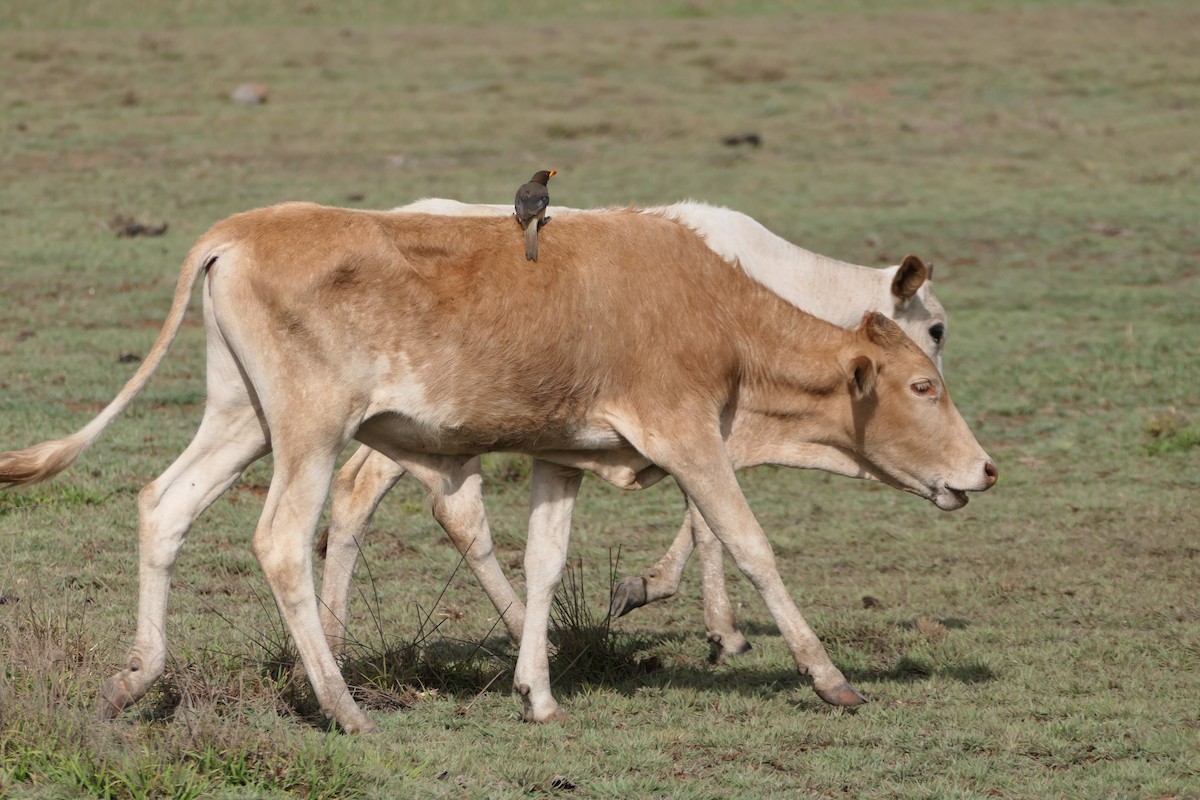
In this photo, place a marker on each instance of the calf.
(431, 339)
(830, 289)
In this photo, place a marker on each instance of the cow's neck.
(792, 372)
(834, 290)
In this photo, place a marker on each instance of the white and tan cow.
(827, 288)
(432, 339)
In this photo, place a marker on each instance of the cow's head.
(904, 423)
(915, 308)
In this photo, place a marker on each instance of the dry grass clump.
(586, 648)
(203, 728)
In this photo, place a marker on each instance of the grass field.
(1042, 642)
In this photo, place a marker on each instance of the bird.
(532, 200)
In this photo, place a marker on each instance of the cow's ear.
(861, 372)
(880, 329)
(911, 274)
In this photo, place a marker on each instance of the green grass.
(1042, 642)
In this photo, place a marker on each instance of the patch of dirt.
(127, 227)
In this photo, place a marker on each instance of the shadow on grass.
(388, 672)
(588, 653)
(449, 668)
(756, 680)
(223, 691)
(882, 642)
(913, 670)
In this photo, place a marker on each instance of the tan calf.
(832, 290)
(432, 338)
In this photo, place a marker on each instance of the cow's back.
(619, 304)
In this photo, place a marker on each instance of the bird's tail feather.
(531, 236)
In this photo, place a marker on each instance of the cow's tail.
(45, 460)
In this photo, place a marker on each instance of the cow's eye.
(936, 332)
(922, 388)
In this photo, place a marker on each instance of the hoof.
(365, 726)
(349, 717)
(843, 695)
(629, 594)
(531, 714)
(723, 647)
(114, 697)
(557, 715)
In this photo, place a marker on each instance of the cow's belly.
(400, 431)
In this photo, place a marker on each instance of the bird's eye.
(922, 388)
(936, 332)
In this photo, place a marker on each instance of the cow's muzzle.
(951, 498)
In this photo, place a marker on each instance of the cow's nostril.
(993, 474)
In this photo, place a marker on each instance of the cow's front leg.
(704, 472)
(552, 499)
(225, 444)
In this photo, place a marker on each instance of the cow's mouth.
(948, 499)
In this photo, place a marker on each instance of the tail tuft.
(45, 460)
(42, 461)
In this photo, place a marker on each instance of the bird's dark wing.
(532, 199)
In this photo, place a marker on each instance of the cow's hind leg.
(660, 581)
(357, 491)
(228, 440)
(455, 486)
(719, 622)
(283, 545)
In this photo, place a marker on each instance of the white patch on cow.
(403, 394)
